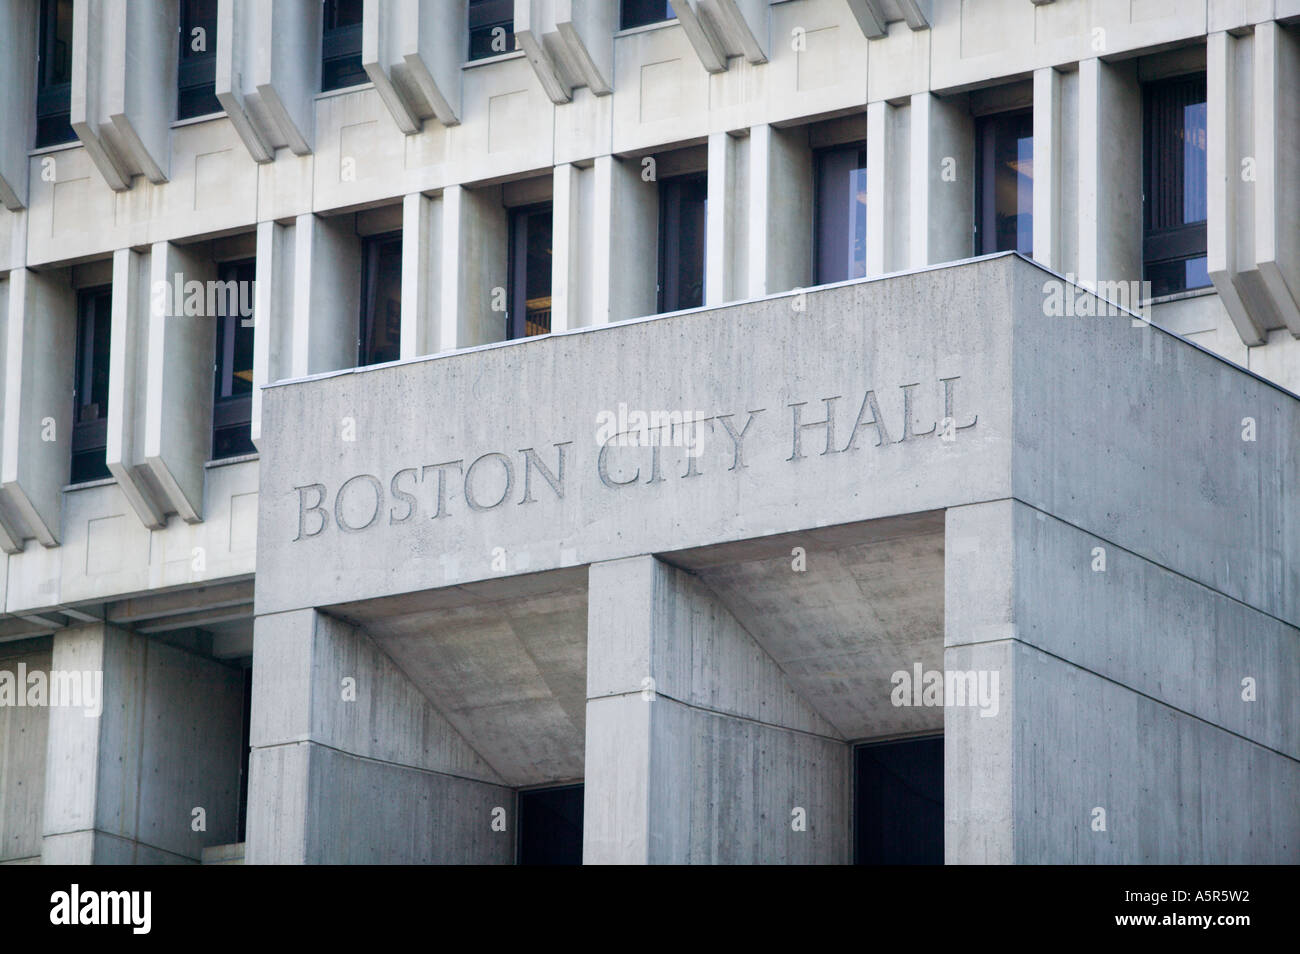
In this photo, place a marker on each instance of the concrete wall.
(698, 748)
(22, 758)
(377, 775)
(122, 787)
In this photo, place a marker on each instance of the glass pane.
(1194, 167)
(637, 13)
(537, 280)
(841, 214)
(381, 319)
(56, 42)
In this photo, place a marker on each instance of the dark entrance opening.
(898, 802)
(550, 826)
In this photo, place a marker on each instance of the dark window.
(683, 209)
(90, 389)
(241, 830)
(550, 826)
(841, 213)
(1004, 183)
(232, 404)
(196, 93)
(491, 28)
(340, 57)
(54, 74)
(530, 272)
(898, 810)
(637, 13)
(1174, 185)
(381, 300)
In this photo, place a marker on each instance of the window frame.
(671, 193)
(90, 436)
(340, 51)
(625, 22)
(487, 15)
(821, 157)
(196, 73)
(990, 130)
(1163, 178)
(373, 248)
(53, 100)
(230, 411)
(517, 268)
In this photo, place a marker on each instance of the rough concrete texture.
(22, 758)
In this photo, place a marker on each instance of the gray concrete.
(698, 747)
(22, 759)
(379, 777)
(122, 787)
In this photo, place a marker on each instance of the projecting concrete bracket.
(719, 29)
(409, 51)
(874, 21)
(569, 43)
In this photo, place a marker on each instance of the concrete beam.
(412, 51)
(570, 43)
(268, 73)
(870, 17)
(124, 87)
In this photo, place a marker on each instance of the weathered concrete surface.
(1073, 439)
(857, 349)
(350, 763)
(22, 758)
(698, 747)
(122, 787)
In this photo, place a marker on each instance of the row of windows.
(491, 32)
(1174, 254)
(232, 378)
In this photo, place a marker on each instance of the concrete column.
(178, 416)
(412, 51)
(698, 748)
(127, 391)
(122, 786)
(1109, 188)
(941, 189)
(273, 317)
(567, 248)
(1277, 180)
(780, 212)
(23, 731)
(1047, 167)
(979, 631)
(624, 242)
(419, 276)
(124, 87)
(18, 40)
(727, 220)
(887, 188)
(326, 295)
(40, 326)
(351, 764)
(268, 73)
(474, 256)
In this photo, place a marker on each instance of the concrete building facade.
(728, 431)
